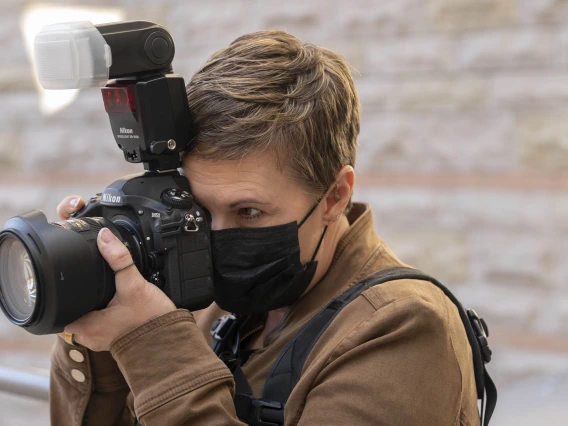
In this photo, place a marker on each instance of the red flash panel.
(118, 98)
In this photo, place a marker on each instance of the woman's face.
(253, 192)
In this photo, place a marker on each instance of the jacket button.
(78, 375)
(76, 356)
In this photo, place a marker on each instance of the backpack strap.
(226, 345)
(286, 370)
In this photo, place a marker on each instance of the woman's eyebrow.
(246, 201)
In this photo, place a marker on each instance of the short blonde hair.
(269, 92)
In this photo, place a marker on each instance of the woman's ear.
(339, 194)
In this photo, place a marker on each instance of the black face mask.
(259, 269)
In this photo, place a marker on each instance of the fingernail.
(73, 203)
(106, 236)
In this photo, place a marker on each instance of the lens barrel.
(51, 274)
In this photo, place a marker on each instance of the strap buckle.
(267, 413)
(481, 332)
(221, 326)
(221, 331)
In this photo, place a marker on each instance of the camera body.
(166, 233)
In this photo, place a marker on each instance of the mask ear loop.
(306, 217)
(319, 244)
(324, 229)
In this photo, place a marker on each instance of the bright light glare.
(35, 17)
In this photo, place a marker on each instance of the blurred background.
(463, 154)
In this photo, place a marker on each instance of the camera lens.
(18, 281)
(51, 274)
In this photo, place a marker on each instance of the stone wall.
(463, 149)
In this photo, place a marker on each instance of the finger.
(118, 257)
(88, 330)
(69, 205)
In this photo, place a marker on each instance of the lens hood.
(72, 276)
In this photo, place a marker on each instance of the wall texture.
(463, 149)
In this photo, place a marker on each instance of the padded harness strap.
(286, 370)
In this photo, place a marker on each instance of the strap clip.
(221, 326)
(267, 413)
(481, 332)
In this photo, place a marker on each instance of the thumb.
(117, 256)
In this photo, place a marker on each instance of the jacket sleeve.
(86, 388)
(397, 367)
(175, 377)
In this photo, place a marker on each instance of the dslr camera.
(52, 273)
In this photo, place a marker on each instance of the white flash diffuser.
(71, 55)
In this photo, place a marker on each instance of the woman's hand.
(136, 301)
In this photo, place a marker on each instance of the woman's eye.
(250, 213)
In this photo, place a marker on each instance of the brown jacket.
(397, 355)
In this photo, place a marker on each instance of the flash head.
(77, 55)
(146, 103)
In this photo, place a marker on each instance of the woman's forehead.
(229, 181)
(254, 168)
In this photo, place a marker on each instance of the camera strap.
(286, 370)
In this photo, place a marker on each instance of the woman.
(277, 124)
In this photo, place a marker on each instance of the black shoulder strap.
(286, 370)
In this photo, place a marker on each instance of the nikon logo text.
(114, 199)
(127, 131)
